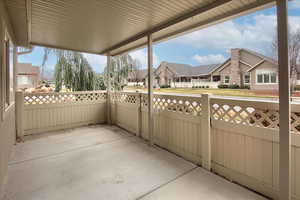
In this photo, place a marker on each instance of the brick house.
(244, 67)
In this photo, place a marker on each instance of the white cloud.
(256, 34)
(96, 61)
(141, 55)
(295, 4)
(209, 59)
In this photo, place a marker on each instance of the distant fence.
(40, 112)
(204, 84)
(244, 134)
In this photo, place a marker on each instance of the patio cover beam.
(284, 103)
(167, 24)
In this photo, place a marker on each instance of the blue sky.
(211, 45)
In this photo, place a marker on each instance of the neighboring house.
(246, 67)
(243, 68)
(183, 75)
(137, 77)
(28, 76)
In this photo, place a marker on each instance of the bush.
(222, 86)
(233, 86)
(165, 86)
(246, 87)
(297, 87)
(207, 86)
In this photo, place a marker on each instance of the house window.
(273, 78)
(266, 77)
(226, 79)
(259, 78)
(247, 78)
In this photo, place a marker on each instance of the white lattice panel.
(60, 98)
(179, 104)
(251, 115)
(122, 97)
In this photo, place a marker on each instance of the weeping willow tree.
(72, 70)
(120, 67)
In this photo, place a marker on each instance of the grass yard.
(220, 92)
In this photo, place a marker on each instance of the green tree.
(120, 67)
(99, 82)
(73, 71)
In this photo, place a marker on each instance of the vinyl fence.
(240, 136)
(40, 112)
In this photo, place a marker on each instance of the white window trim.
(265, 72)
(225, 79)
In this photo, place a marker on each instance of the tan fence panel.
(53, 111)
(245, 144)
(125, 111)
(177, 126)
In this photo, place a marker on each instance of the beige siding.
(165, 75)
(249, 58)
(225, 72)
(267, 66)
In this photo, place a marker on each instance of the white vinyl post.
(108, 89)
(205, 132)
(19, 113)
(150, 90)
(284, 103)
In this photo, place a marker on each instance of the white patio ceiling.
(116, 26)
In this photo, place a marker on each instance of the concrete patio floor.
(106, 162)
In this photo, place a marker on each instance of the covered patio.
(248, 142)
(106, 162)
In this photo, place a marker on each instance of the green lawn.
(221, 92)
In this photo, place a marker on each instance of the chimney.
(235, 76)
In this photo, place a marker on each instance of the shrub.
(233, 86)
(207, 86)
(165, 86)
(222, 86)
(246, 87)
(297, 87)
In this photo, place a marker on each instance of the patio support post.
(19, 113)
(205, 132)
(108, 89)
(139, 122)
(150, 90)
(284, 103)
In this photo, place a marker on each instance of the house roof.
(188, 70)
(261, 55)
(101, 26)
(138, 74)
